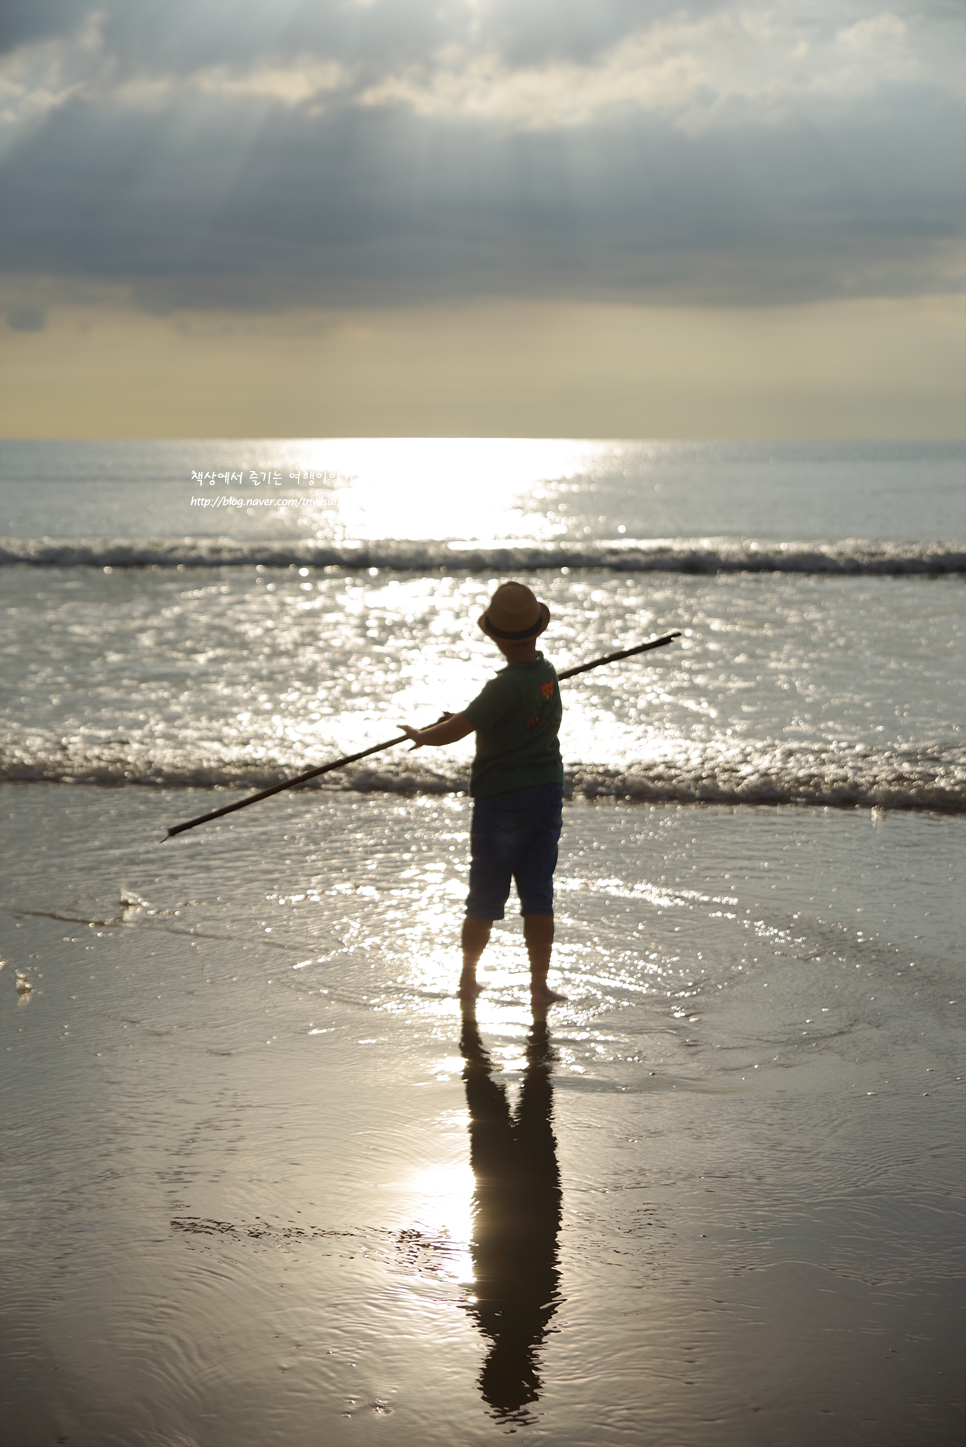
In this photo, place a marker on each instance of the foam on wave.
(929, 777)
(676, 555)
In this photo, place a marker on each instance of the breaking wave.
(931, 776)
(677, 555)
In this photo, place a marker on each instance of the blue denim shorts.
(514, 836)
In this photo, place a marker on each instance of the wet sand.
(266, 1184)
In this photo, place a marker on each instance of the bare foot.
(541, 995)
(468, 990)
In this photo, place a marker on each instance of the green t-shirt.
(516, 719)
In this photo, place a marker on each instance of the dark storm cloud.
(142, 37)
(189, 33)
(23, 21)
(256, 155)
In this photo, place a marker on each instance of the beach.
(241, 1173)
(266, 1182)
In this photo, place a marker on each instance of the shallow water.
(264, 1184)
(244, 1118)
(817, 587)
(805, 689)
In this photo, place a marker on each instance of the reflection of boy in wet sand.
(516, 1217)
(516, 784)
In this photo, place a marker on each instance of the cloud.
(287, 154)
(292, 84)
(24, 317)
(734, 66)
(838, 369)
(25, 21)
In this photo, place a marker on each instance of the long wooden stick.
(624, 653)
(389, 743)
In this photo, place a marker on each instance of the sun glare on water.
(488, 490)
(442, 1198)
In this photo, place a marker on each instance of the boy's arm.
(483, 711)
(451, 727)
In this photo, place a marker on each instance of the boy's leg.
(534, 878)
(476, 932)
(490, 875)
(538, 933)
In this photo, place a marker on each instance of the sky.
(496, 217)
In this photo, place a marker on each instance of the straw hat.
(513, 614)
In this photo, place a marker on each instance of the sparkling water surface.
(796, 689)
(263, 1183)
(818, 589)
(479, 489)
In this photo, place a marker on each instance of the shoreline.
(247, 1207)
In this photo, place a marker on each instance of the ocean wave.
(931, 776)
(674, 555)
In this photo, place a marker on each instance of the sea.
(224, 614)
(266, 1182)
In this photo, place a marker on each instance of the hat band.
(512, 637)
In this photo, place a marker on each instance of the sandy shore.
(265, 1185)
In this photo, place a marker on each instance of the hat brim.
(500, 637)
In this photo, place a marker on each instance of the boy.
(516, 784)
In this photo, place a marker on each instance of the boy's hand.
(458, 730)
(413, 734)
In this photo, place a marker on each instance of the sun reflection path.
(441, 488)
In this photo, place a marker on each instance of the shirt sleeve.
(489, 706)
